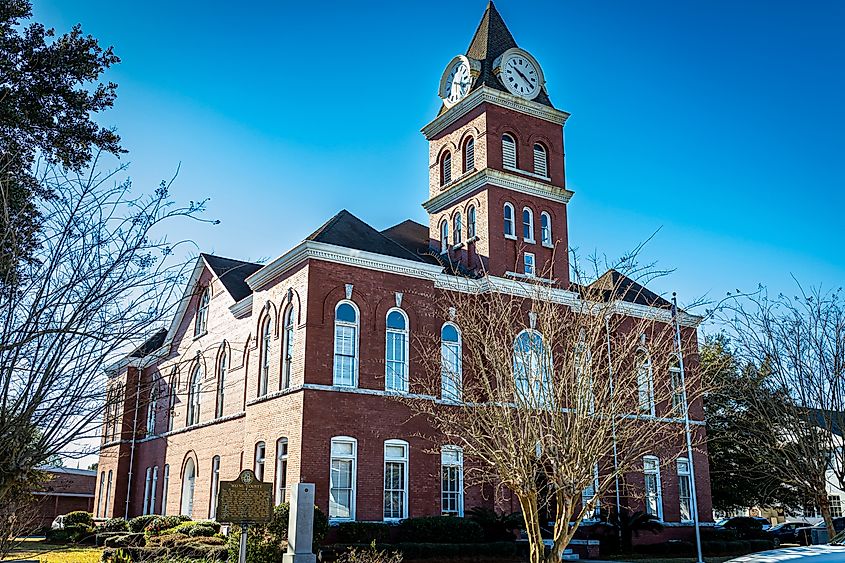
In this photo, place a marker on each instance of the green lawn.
(40, 550)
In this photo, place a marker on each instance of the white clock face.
(457, 82)
(520, 76)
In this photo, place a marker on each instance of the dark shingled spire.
(491, 39)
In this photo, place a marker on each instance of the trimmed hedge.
(103, 536)
(114, 525)
(125, 540)
(140, 523)
(76, 533)
(79, 517)
(193, 551)
(162, 523)
(440, 529)
(362, 532)
(196, 528)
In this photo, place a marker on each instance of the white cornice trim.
(500, 179)
(242, 308)
(496, 97)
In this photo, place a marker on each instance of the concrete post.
(301, 525)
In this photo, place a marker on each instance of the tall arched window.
(201, 321)
(469, 154)
(586, 400)
(171, 400)
(645, 384)
(510, 230)
(471, 222)
(451, 370)
(459, 227)
(260, 456)
(281, 470)
(677, 384)
(541, 167)
(222, 372)
(346, 344)
(152, 408)
(188, 481)
(264, 365)
(509, 151)
(148, 480)
(165, 487)
(444, 236)
(215, 485)
(153, 491)
(396, 352)
(446, 168)
(194, 394)
(287, 345)
(545, 229)
(527, 224)
(108, 496)
(101, 493)
(531, 369)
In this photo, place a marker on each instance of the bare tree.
(103, 278)
(556, 395)
(797, 346)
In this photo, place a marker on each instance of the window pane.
(346, 313)
(396, 320)
(342, 448)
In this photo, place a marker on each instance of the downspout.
(613, 422)
(132, 444)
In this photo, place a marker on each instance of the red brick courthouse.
(286, 367)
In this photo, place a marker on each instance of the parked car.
(834, 552)
(746, 527)
(805, 535)
(766, 523)
(787, 532)
(58, 523)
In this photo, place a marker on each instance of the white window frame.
(164, 489)
(152, 407)
(676, 382)
(457, 229)
(652, 470)
(353, 459)
(529, 225)
(108, 495)
(510, 159)
(281, 473)
(201, 320)
(100, 495)
(401, 363)
(538, 380)
(444, 236)
(171, 401)
(266, 334)
(546, 229)
(684, 473)
(288, 339)
(541, 160)
(510, 223)
(451, 458)
(259, 460)
(448, 392)
(356, 327)
(194, 396)
(471, 231)
(153, 489)
(835, 502)
(469, 154)
(403, 492)
(147, 482)
(529, 264)
(589, 494)
(222, 370)
(215, 485)
(645, 384)
(186, 506)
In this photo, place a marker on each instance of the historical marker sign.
(245, 500)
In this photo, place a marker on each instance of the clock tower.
(497, 188)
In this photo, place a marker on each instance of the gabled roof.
(150, 345)
(232, 274)
(345, 229)
(413, 237)
(616, 285)
(491, 39)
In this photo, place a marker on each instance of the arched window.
(395, 479)
(100, 495)
(194, 394)
(510, 230)
(469, 154)
(148, 480)
(586, 400)
(452, 481)
(264, 352)
(171, 400)
(215, 485)
(165, 488)
(446, 168)
(396, 352)
(527, 224)
(201, 321)
(222, 371)
(545, 229)
(451, 370)
(677, 384)
(152, 408)
(471, 222)
(531, 369)
(188, 481)
(287, 345)
(260, 456)
(645, 384)
(541, 167)
(346, 344)
(153, 491)
(108, 496)
(508, 151)
(457, 236)
(444, 236)
(653, 496)
(281, 470)
(342, 478)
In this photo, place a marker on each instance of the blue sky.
(719, 123)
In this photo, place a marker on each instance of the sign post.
(245, 501)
